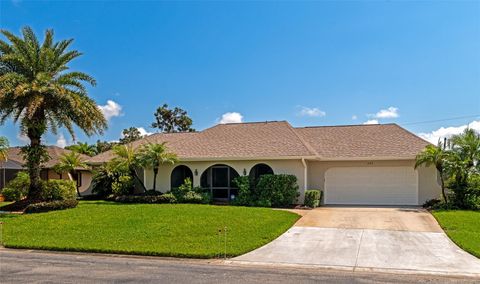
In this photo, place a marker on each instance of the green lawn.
(463, 227)
(182, 230)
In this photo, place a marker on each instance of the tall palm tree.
(70, 163)
(83, 148)
(3, 148)
(38, 91)
(153, 155)
(466, 147)
(127, 159)
(437, 156)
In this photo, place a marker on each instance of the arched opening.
(219, 179)
(259, 170)
(179, 174)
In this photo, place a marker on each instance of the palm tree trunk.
(34, 154)
(443, 190)
(155, 172)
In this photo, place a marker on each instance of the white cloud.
(313, 112)
(231, 117)
(354, 117)
(23, 138)
(391, 112)
(61, 141)
(371, 121)
(111, 109)
(144, 132)
(446, 132)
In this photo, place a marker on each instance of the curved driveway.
(405, 240)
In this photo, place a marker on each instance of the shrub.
(278, 190)
(245, 194)
(17, 188)
(53, 190)
(50, 206)
(429, 204)
(466, 195)
(152, 199)
(123, 185)
(152, 192)
(312, 198)
(186, 193)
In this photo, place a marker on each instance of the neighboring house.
(358, 164)
(14, 164)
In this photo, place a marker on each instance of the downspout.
(305, 174)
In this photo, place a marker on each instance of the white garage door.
(371, 186)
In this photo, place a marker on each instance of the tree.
(437, 156)
(176, 120)
(127, 160)
(129, 135)
(153, 155)
(3, 148)
(69, 163)
(83, 148)
(38, 91)
(103, 146)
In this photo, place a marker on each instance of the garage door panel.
(371, 186)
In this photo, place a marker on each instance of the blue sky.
(311, 63)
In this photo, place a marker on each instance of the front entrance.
(219, 179)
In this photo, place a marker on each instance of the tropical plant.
(83, 148)
(176, 120)
(3, 148)
(70, 163)
(153, 155)
(437, 156)
(38, 91)
(127, 160)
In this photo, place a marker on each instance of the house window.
(179, 174)
(259, 170)
(219, 179)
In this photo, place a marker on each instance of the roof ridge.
(412, 134)
(345, 125)
(305, 143)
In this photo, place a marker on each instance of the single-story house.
(354, 164)
(15, 162)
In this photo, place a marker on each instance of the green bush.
(186, 193)
(312, 198)
(123, 185)
(277, 190)
(245, 194)
(152, 199)
(56, 189)
(50, 206)
(17, 188)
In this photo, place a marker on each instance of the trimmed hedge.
(50, 206)
(276, 191)
(152, 199)
(55, 189)
(17, 188)
(312, 198)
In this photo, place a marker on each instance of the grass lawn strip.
(463, 227)
(179, 230)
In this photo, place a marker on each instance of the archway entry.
(259, 170)
(179, 174)
(219, 179)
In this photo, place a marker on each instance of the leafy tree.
(103, 146)
(153, 155)
(3, 148)
(69, 163)
(437, 156)
(127, 160)
(176, 120)
(38, 91)
(83, 148)
(129, 135)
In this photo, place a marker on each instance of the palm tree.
(153, 155)
(69, 163)
(127, 160)
(3, 148)
(38, 91)
(466, 147)
(83, 148)
(437, 156)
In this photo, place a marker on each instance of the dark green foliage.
(245, 191)
(109, 180)
(278, 190)
(150, 199)
(123, 185)
(17, 188)
(466, 193)
(186, 193)
(51, 206)
(53, 190)
(152, 192)
(312, 198)
(176, 120)
(129, 135)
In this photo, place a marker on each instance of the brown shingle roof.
(363, 141)
(14, 154)
(278, 139)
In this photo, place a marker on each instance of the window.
(259, 170)
(219, 179)
(179, 174)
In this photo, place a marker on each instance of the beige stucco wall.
(293, 167)
(86, 180)
(428, 186)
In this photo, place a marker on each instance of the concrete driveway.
(405, 240)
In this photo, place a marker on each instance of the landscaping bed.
(463, 227)
(180, 230)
